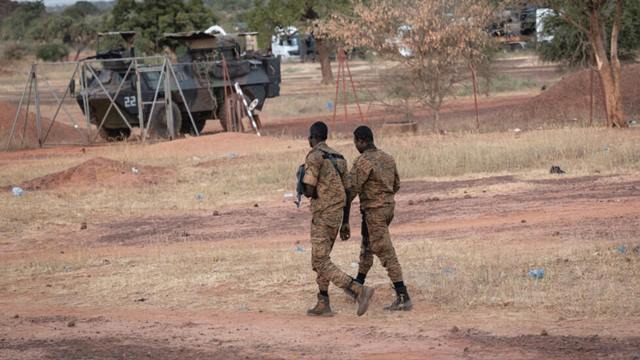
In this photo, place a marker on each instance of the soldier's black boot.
(322, 308)
(363, 296)
(402, 302)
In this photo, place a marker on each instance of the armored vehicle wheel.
(158, 127)
(200, 118)
(115, 134)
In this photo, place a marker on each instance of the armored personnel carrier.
(200, 90)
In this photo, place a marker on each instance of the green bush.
(52, 52)
(14, 51)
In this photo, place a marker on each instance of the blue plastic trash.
(536, 273)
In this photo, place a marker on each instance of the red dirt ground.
(561, 211)
(100, 172)
(25, 134)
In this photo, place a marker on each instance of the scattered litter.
(329, 105)
(75, 126)
(66, 268)
(448, 271)
(555, 169)
(231, 155)
(536, 273)
(354, 265)
(621, 249)
(288, 196)
(17, 191)
(195, 159)
(605, 148)
(299, 249)
(517, 130)
(135, 170)
(199, 196)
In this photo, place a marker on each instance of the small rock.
(454, 329)
(16, 316)
(61, 252)
(411, 202)
(48, 285)
(466, 350)
(467, 196)
(216, 213)
(556, 233)
(83, 225)
(555, 169)
(140, 300)
(256, 205)
(523, 221)
(435, 198)
(71, 323)
(106, 262)
(185, 234)
(544, 333)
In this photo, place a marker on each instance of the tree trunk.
(436, 119)
(325, 62)
(609, 70)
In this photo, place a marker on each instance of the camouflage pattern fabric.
(376, 240)
(374, 177)
(327, 211)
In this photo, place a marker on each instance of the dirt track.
(556, 212)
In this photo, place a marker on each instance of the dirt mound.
(100, 172)
(569, 100)
(25, 135)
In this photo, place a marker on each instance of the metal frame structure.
(83, 69)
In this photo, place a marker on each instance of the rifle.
(299, 185)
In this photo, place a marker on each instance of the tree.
(153, 18)
(437, 42)
(269, 15)
(16, 25)
(599, 24)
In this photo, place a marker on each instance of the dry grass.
(260, 177)
(460, 275)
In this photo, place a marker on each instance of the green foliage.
(16, 25)
(52, 52)
(153, 18)
(571, 46)
(267, 15)
(14, 51)
(81, 9)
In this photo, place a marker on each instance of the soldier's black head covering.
(319, 131)
(363, 133)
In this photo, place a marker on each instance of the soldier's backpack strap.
(332, 157)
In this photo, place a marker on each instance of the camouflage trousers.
(377, 241)
(324, 230)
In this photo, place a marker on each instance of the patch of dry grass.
(266, 176)
(458, 275)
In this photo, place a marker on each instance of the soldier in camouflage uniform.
(374, 177)
(324, 182)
